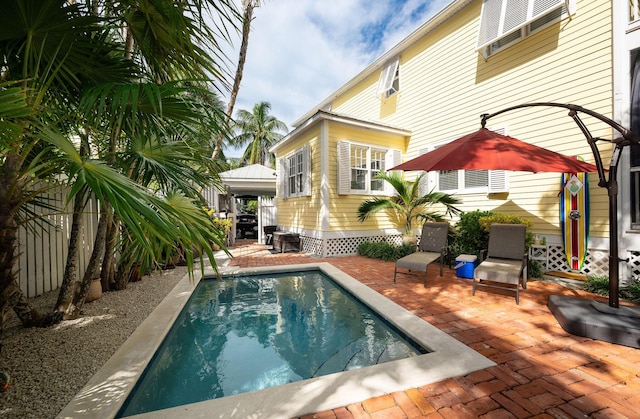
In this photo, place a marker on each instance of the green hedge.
(385, 251)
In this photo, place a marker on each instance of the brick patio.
(542, 370)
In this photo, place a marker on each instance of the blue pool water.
(253, 332)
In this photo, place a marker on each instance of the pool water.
(253, 332)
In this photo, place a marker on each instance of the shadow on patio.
(542, 370)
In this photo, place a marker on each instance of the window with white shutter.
(473, 181)
(505, 22)
(359, 163)
(389, 82)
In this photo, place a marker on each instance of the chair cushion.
(499, 270)
(417, 261)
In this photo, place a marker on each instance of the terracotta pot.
(410, 240)
(95, 291)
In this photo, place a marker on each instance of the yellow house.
(472, 57)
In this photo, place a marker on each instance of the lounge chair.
(433, 245)
(506, 260)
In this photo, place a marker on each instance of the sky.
(301, 51)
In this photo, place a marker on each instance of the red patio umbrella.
(488, 150)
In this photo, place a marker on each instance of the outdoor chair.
(506, 260)
(433, 246)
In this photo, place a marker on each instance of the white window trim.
(487, 44)
(306, 172)
(393, 157)
(497, 182)
(390, 73)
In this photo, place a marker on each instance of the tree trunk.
(11, 296)
(246, 29)
(81, 291)
(107, 274)
(70, 277)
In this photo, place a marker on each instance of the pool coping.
(107, 390)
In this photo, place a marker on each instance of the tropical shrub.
(470, 237)
(534, 270)
(631, 291)
(407, 204)
(223, 224)
(599, 284)
(498, 218)
(472, 231)
(385, 251)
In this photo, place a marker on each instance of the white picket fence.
(43, 246)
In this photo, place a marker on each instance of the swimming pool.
(252, 332)
(106, 392)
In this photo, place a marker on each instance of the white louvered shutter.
(306, 167)
(344, 168)
(427, 178)
(501, 17)
(393, 158)
(386, 77)
(498, 179)
(284, 178)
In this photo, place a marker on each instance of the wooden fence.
(43, 246)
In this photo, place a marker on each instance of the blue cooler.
(465, 264)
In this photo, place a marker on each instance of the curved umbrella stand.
(627, 138)
(486, 150)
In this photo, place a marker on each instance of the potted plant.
(408, 205)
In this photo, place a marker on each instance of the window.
(505, 22)
(359, 163)
(295, 174)
(470, 181)
(389, 82)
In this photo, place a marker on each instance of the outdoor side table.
(284, 241)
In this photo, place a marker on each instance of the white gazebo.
(254, 180)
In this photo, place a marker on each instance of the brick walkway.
(542, 371)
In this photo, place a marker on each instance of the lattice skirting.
(597, 262)
(342, 246)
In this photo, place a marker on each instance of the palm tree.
(247, 17)
(258, 130)
(54, 82)
(407, 203)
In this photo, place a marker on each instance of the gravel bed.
(49, 366)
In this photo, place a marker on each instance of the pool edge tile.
(450, 358)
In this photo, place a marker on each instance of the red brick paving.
(542, 371)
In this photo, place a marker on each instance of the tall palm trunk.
(82, 289)
(107, 274)
(70, 276)
(247, 17)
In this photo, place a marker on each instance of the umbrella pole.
(628, 138)
(614, 259)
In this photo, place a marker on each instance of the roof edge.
(321, 115)
(438, 18)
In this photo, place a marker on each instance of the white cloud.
(300, 51)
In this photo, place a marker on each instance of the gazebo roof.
(255, 179)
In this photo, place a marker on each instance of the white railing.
(43, 246)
